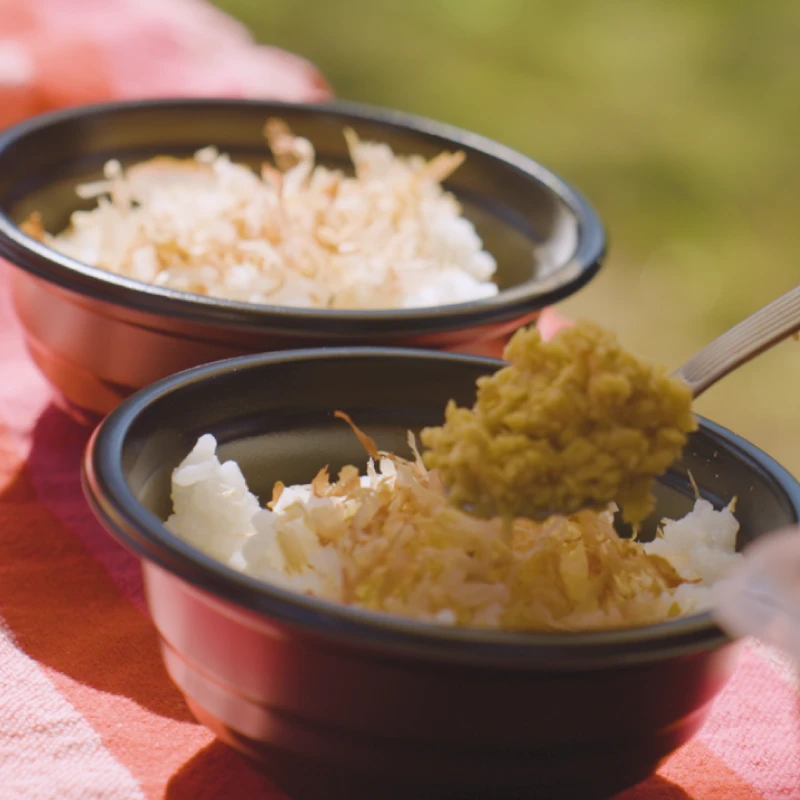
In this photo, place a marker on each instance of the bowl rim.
(143, 532)
(535, 293)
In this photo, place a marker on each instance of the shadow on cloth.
(217, 773)
(69, 593)
(655, 788)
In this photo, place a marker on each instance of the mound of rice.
(296, 235)
(389, 541)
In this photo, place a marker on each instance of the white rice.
(301, 235)
(702, 548)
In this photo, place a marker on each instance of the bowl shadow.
(71, 595)
(217, 773)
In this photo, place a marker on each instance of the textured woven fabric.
(55, 54)
(87, 711)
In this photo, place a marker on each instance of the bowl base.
(306, 778)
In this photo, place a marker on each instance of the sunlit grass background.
(680, 120)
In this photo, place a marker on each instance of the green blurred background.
(680, 120)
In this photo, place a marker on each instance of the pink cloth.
(87, 711)
(56, 53)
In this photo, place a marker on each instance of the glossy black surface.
(322, 696)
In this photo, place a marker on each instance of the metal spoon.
(759, 332)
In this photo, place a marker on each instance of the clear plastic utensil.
(761, 597)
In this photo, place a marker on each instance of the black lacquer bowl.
(98, 337)
(339, 703)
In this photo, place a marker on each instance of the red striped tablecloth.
(87, 711)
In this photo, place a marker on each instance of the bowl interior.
(526, 217)
(273, 414)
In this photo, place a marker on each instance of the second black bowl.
(98, 336)
(337, 702)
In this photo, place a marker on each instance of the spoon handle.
(760, 331)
